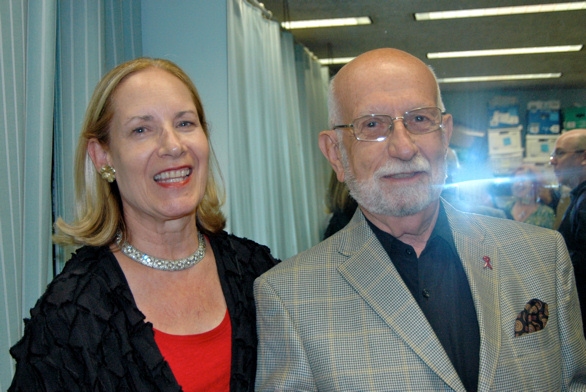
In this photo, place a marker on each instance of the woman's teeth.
(173, 175)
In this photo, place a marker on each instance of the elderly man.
(413, 294)
(569, 162)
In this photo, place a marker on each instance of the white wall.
(193, 34)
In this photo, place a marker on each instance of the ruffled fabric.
(243, 261)
(86, 333)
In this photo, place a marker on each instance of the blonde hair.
(338, 196)
(98, 206)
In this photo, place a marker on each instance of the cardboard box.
(553, 104)
(504, 140)
(545, 122)
(574, 118)
(503, 116)
(538, 148)
(506, 163)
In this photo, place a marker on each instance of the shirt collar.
(440, 230)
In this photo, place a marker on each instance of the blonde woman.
(158, 297)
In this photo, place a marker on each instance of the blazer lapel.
(372, 274)
(481, 262)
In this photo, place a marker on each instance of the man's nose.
(400, 141)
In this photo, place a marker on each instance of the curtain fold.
(313, 170)
(93, 37)
(27, 51)
(80, 64)
(277, 198)
(37, 216)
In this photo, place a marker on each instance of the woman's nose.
(171, 143)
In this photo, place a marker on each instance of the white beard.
(377, 198)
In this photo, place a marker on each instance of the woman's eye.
(186, 124)
(139, 131)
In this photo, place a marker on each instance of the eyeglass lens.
(377, 127)
(560, 153)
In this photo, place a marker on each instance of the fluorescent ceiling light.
(499, 78)
(500, 11)
(337, 60)
(306, 24)
(505, 52)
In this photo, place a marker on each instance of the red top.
(200, 362)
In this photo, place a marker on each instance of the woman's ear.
(98, 154)
(328, 144)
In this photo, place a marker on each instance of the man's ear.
(583, 161)
(448, 127)
(328, 144)
(98, 154)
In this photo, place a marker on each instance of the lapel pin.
(487, 262)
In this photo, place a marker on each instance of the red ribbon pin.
(487, 262)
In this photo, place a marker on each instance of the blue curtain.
(51, 56)
(27, 55)
(277, 106)
(93, 37)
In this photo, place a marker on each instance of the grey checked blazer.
(338, 317)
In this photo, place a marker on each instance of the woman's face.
(157, 147)
(522, 184)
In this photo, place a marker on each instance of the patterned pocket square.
(533, 318)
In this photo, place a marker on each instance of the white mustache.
(394, 167)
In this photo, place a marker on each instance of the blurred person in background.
(569, 162)
(525, 206)
(340, 205)
(453, 193)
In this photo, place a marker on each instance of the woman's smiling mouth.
(173, 176)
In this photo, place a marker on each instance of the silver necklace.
(162, 264)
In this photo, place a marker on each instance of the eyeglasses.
(560, 153)
(377, 127)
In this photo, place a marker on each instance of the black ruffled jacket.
(86, 333)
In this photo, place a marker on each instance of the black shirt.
(439, 284)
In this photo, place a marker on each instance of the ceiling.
(394, 26)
